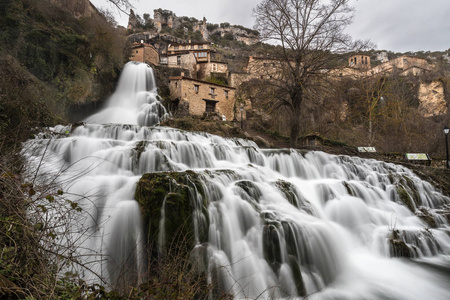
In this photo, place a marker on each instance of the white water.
(334, 228)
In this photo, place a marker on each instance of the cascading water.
(268, 223)
(135, 100)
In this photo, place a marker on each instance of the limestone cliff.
(432, 100)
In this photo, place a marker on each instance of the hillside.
(51, 61)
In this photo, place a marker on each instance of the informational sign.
(367, 149)
(417, 156)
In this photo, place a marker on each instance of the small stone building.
(184, 60)
(203, 97)
(201, 50)
(359, 62)
(263, 67)
(144, 53)
(214, 68)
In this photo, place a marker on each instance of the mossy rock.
(399, 248)
(349, 188)
(427, 217)
(272, 246)
(297, 274)
(177, 193)
(409, 185)
(251, 189)
(288, 191)
(405, 198)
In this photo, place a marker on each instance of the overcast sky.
(395, 25)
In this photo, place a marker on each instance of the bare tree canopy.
(122, 5)
(309, 33)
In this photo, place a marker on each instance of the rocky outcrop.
(432, 100)
(133, 21)
(241, 34)
(167, 19)
(168, 203)
(79, 8)
(382, 57)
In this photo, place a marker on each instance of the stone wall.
(196, 92)
(237, 79)
(186, 61)
(404, 65)
(206, 68)
(359, 61)
(138, 52)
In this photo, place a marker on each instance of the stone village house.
(191, 91)
(195, 57)
(359, 67)
(143, 52)
(201, 97)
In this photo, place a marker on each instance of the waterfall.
(267, 223)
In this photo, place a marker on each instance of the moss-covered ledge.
(177, 195)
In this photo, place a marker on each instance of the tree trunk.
(295, 130)
(296, 98)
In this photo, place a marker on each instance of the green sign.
(367, 149)
(417, 156)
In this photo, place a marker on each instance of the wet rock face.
(168, 201)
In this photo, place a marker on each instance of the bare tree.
(309, 34)
(122, 5)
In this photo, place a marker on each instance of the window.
(176, 47)
(196, 88)
(212, 91)
(200, 46)
(184, 47)
(226, 93)
(179, 60)
(137, 51)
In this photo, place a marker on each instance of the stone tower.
(359, 62)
